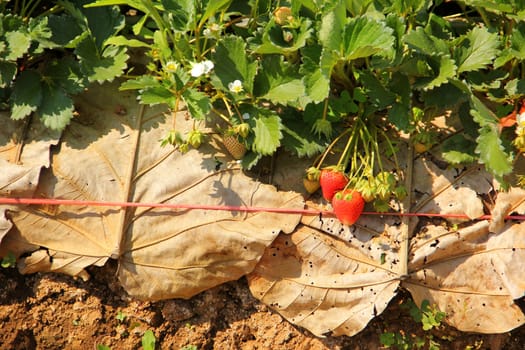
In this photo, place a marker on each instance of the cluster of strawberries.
(348, 203)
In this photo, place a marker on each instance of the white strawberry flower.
(246, 116)
(212, 31)
(236, 86)
(200, 68)
(171, 66)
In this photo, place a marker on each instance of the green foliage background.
(308, 68)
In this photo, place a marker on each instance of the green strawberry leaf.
(316, 84)
(232, 63)
(101, 67)
(62, 37)
(40, 33)
(18, 44)
(268, 134)
(446, 95)
(481, 113)
(299, 141)
(400, 111)
(477, 49)
(459, 149)
(278, 81)
(484, 80)
(445, 68)
(517, 46)
(517, 40)
(101, 22)
(212, 8)
(198, 103)
(182, 18)
(364, 37)
(141, 82)
(331, 29)
(515, 88)
(399, 115)
(66, 73)
(327, 62)
(27, 94)
(157, 95)
(120, 40)
(425, 43)
(379, 95)
(274, 41)
(489, 147)
(491, 152)
(277, 40)
(56, 109)
(250, 159)
(7, 73)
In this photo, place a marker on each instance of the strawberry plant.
(293, 74)
(428, 315)
(50, 53)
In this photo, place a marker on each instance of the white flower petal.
(235, 86)
(208, 66)
(197, 70)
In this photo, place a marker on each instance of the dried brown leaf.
(24, 151)
(471, 274)
(450, 190)
(322, 283)
(162, 253)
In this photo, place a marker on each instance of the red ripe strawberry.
(332, 180)
(348, 206)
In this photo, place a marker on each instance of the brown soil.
(52, 311)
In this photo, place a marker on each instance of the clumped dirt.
(52, 311)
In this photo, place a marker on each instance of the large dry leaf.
(322, 283)
(24, 151)
(449, 190)
(472, 275)
(111, 152)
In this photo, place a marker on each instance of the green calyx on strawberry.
(332, 179)
(195, 138)
(348, 205)
(242, 129)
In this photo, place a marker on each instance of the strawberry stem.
(330, 146)
(325, 108)
(343, 160)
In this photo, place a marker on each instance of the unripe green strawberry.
(332, 180)
(195, 138)
(348, 206)
(234, 146)
(310, 185)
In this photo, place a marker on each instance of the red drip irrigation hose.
(71, 202)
